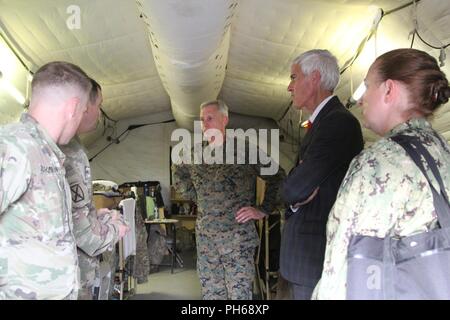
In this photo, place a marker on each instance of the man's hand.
(123, 230)
(116, 215)
(103, 211)
(248, 213)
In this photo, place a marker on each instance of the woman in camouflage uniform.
(383, 188)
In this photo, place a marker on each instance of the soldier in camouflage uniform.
(95, 231)
(38, 258)
(383, 188)
(225, 231)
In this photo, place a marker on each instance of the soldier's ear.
(72, 105)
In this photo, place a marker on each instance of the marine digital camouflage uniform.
(93, 234)
(383, 189)
(38, 258)
(225, 248)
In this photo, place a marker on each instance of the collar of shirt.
(319, 108)
(74, 149)
(42, 133)
(79, 144)
(417, 123)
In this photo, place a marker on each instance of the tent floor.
(183, 284)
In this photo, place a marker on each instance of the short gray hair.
(221, 106)
(322, 61)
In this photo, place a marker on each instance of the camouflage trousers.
(106, 274)
(225, 275)
(96, 274)
(88, 272)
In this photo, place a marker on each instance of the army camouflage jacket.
(93, 234)
(38, 258)
(383, 189)
(220, 190)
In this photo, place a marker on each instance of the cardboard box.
(101, 201)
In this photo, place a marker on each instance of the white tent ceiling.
(152, 56)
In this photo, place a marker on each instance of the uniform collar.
(76, 142)
(74, 145)
(30, 122)
(412, 124)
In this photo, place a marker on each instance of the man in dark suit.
(334, 137)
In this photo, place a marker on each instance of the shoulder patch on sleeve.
(78, 192)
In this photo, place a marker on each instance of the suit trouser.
(300, 292)
(226, 275)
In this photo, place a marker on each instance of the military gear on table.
(94, 234)
(219, 191)
(38, 258)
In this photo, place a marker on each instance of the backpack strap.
(415, 149)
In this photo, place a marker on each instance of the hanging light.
(356, 95)
(11, 89)
(359, 92)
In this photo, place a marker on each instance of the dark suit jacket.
(326, 150)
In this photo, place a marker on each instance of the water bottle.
(155, 211)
